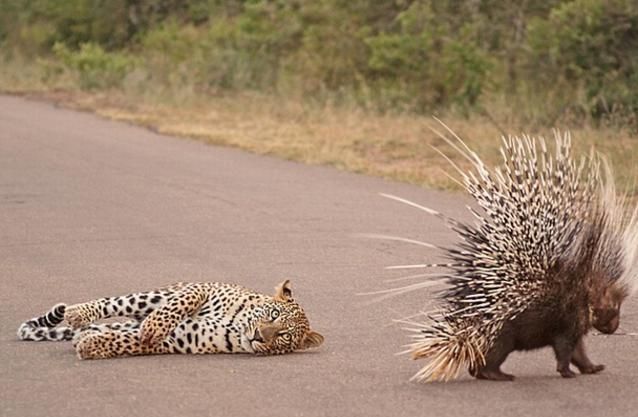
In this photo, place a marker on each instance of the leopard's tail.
(46, 327)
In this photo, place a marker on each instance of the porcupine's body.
(551, 255)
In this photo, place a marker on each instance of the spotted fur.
(193, 318)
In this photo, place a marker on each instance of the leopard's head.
(283, 327)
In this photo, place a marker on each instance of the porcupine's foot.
(582, 361)
(493, 375)
(494, 359)
(564, 349)
(566, 372)
(594, 369)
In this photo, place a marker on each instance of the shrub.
(432, 61)
(590, 45)
(95, 67)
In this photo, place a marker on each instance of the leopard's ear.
(311, 340)
(283, 291)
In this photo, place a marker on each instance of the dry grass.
(400, 147)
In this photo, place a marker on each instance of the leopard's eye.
(286, 336)
(274, 314)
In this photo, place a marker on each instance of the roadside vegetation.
(351, 84)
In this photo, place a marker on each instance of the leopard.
(182, 318)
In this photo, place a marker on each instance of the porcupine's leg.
(582, 362)
(564, 346)
(494, 359)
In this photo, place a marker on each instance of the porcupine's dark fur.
(552, 254)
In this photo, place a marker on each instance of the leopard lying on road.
(195, 318)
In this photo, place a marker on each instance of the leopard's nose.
(257, 337)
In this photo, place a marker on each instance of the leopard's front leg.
(109, 343)
(161, 322)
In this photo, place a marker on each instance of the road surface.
(91, 207)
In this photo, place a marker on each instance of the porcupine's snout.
(606, 320)
(606, 312)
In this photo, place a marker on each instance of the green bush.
(545, 58)
(95, 67)
(590, 45)
(247, 51)
(430, 63)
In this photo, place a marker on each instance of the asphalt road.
(90, 207)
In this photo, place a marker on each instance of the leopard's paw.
(95, 345)
(155, 329)
(79, 315)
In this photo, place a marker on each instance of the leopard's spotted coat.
(196, 318)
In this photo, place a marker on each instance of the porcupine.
(553, 253)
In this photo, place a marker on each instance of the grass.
(396, 146)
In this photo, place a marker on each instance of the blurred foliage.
(95, 67)
(547, 59)
(593, 46)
